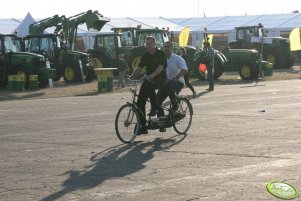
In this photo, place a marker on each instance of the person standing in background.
(182, 52)
(122, 67)
(209, 57)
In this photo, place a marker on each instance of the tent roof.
(159, 22)
(199, 22)
(222, 24)
(227, 23)
(8, 26)
(272, 21)
(23, 27)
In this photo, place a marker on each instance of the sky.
(146, 8)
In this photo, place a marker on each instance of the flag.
(184, 36)
(295, 39)
(210, 38)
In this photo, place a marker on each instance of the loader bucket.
(95, 21)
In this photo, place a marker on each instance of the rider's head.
(168, 48)
(150, 44)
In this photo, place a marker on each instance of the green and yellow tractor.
(245, 61)
(129, 41)
(59, 47)
(13, 62)
(276, 51)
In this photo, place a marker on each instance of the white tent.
(8, 26)
(275, 24)
(23, 28)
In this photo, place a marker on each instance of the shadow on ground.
(115, 162)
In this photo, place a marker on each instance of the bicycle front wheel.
(182, 118)
(127, 123)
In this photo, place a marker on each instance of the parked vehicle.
(245, 62)
(13, 61)
(277, 52)
(58, 47)
(129, 41)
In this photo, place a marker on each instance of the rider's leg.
(162, 95)
(155, 106)
(173, 87)
(145, 92)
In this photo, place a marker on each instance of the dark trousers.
(170, 88)
(147, 91)
(187, 83)
(210, 75)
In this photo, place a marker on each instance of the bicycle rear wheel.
(127, 123)
(182, 117)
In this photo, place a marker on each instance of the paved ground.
(242, 137)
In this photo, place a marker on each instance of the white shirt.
(175, 64)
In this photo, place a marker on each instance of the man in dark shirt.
(154, 61)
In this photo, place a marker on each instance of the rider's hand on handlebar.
(128, 77)
(149, 77)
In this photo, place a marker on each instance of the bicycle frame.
(128, 118)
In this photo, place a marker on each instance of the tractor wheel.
(134, 62)
(247, 72)
(218, 71)
(100, 61)
(291, 61)
(197, 71)
(23, 71)
(275, 57)
(71, 72)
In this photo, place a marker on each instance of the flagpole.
(198, 8)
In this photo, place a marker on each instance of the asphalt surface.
(242, 137)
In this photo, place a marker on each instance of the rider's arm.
(156, 72)
(182, 66)
(136, 72)
(182, 73)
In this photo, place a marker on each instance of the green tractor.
(129, 41)
(59, 48)
(67, 63)
(105, 50)
(245, 61)
(134, 38)
(276, 52)
(13, 61)
(136, 53)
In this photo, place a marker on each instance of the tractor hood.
(76, 55)
(26, 57)
(244, 51)
(28, 60)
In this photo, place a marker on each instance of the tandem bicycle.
(127, 122)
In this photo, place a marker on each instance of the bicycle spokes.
(182, 118)
(127, 123)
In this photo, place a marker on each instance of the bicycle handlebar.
(145, 77)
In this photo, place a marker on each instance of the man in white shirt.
(175, 71)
